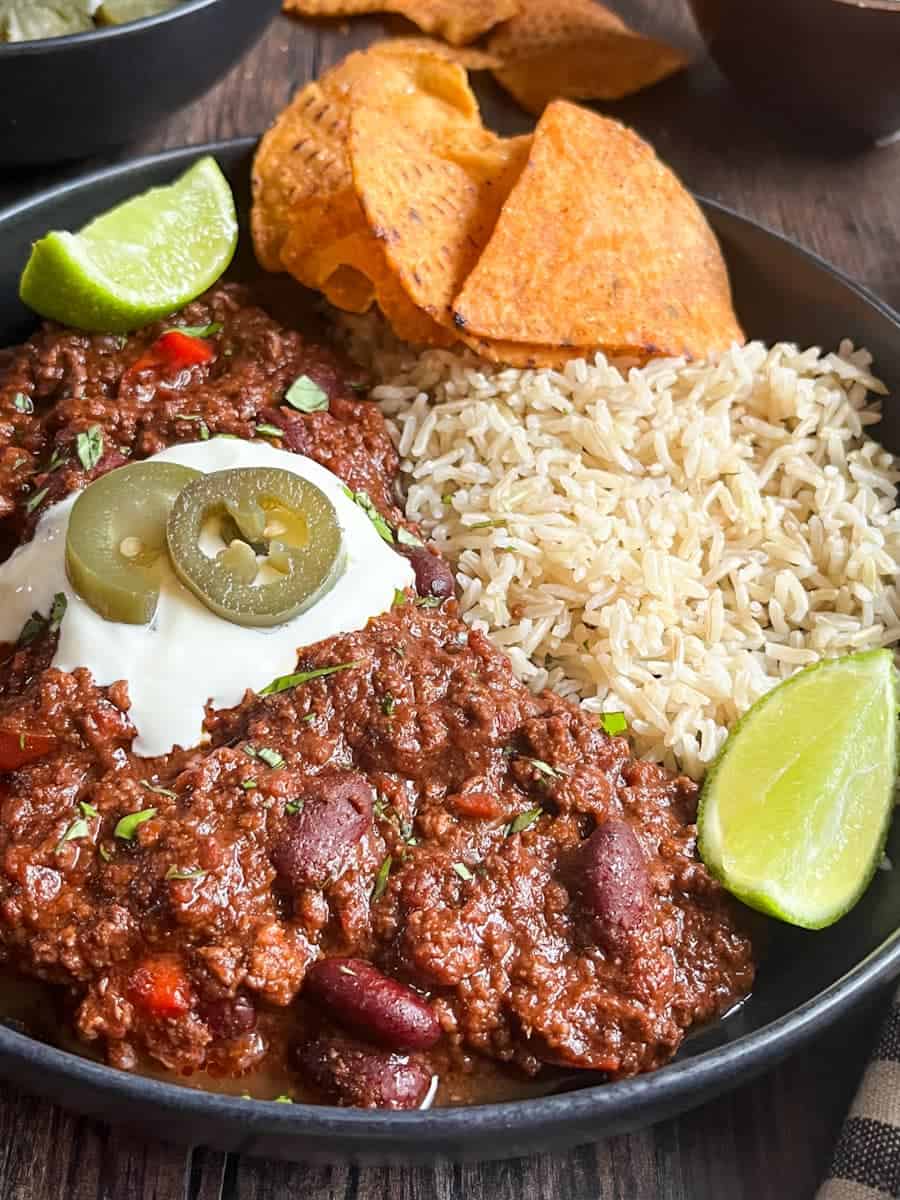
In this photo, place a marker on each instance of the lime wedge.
(795, 810)
(141, 260)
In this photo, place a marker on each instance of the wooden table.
(767, 1141)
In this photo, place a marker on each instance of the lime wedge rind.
(141, 260)
(806, 857)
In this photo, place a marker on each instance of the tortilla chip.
(521, 354)
(578, 50)
(469, 57)
(456, 21)
(599, 245)
(431, 204)
(301, 172)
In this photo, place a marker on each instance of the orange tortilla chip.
(469, 57)
(456, 21)
(431, 207)
(599, 245)
(578, 50)
(521, 354)
(301, 172)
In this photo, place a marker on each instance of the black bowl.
(806, 981)
(828, 66)
(66, 98)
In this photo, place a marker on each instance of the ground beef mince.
(428, 868)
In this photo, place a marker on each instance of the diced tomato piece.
(173, 351)
(18, 748)
(475, 804)
(160, 987)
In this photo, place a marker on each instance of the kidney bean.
(228, 1016)
(356, 994)
(314, 846)
(357, 1076)
(433, 576)
(616, 884)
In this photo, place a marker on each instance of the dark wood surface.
(766, 1141)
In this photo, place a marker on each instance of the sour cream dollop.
(187, 656)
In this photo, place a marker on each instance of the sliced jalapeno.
(116, 536)
(258, 545)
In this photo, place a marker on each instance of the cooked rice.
(669, 541)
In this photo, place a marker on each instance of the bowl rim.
(621, 1104)
(105, 33)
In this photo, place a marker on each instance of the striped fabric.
(866, 1162)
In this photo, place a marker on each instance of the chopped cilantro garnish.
(270, 757)
(87, 810)
(524, 821)
(544, 768)
(282, 1100)
(57, 458)
(128, 826)
(249, 784)
(463, 872)
(33, 501)
(269, 430)
(202, 427)
(160, 791)
(309, 718)
(358, 385)
(293, 807)
(33, 628)
(306, 396)
(405, 538)
(105, 854)
(78, 829)
(399, 598)
(57, 612)
(381, 879)
(284, 682)
(249, 750)
(22, 403)
(198, 331)
(192, 873)
(388, 705)
(429, 602)
(89, 447)
(613, 723)
(364, 501)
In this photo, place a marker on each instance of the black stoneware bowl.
(827, 66)
(66, 98)
(806, 980)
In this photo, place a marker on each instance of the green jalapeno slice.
(117, 537)
(257, 545)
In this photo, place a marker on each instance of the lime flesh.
(141, 260)
(796, 808)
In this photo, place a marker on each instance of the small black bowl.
(68, 97)
(827, 66)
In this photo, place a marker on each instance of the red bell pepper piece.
(17, 749)
(173, 351)
(160, 987)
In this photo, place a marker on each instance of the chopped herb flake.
(447, 498)
(284, 682)
(544, 768)
(89, 447)
(463, 872)
(249, 784)
(388, 705)
(269, 430)
(364, 501)
(429, 602)
(524, 821)
(309, 718)
(87, 810)
(249, 750)
(57, 612)
(270, 757)
(128, 826)
(192, 873)
(57, 459)
(158, 789)
(22, 403)
(293, 807)
(202, 427)
(358, 385)
(282, 1100)
(33, 501)
(105, 854)
(399, 598)
(491, 524)
(33, 628)
(381, 879)
(405, 538)
(613, 723)
(198, 331)
(306, 396)
(78, 829)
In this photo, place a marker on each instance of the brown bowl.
(828, 65)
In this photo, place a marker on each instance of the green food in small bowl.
(31, 20)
